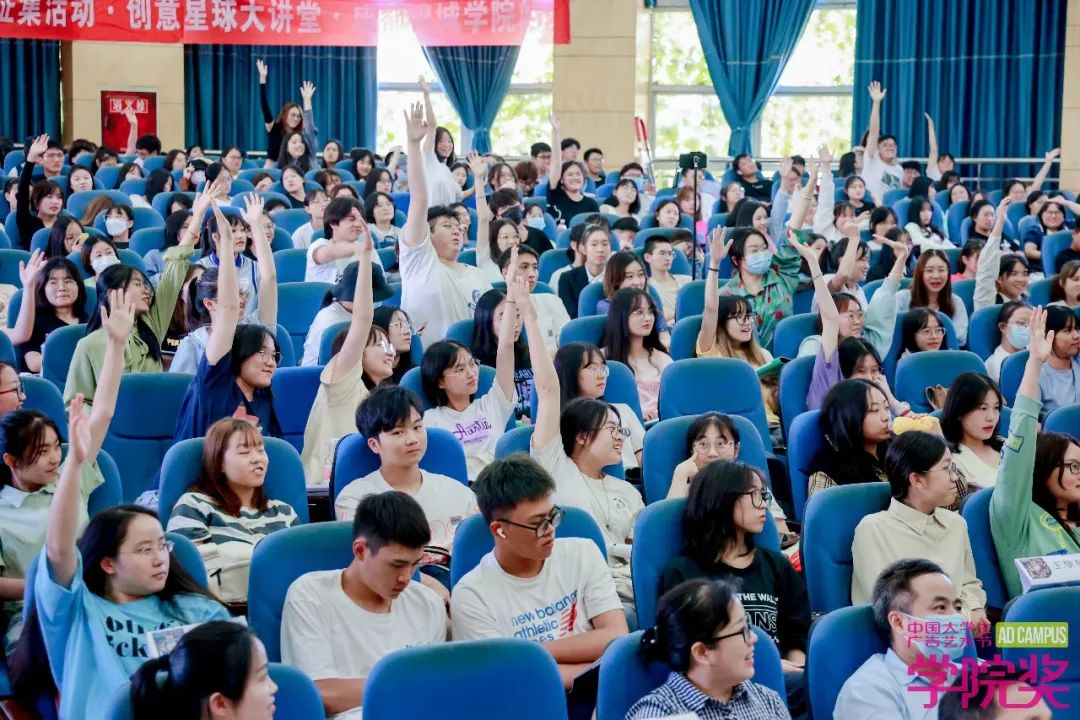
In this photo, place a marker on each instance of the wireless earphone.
(501, 533)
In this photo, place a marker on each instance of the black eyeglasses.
(747, 633)
(18, 390)
(759, 497)
(553, 520)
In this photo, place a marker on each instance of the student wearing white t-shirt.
(550, 313)
(451, 376)
(315, 203)
(881, 169)
(392, 420)
(338, 623)
(343, 221)
(556, 592)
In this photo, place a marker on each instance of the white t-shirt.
(326, 635)
(301, 237)
(329, 272)
(993, 363)
(858, 293)
(445, 501)
(612, 502)
(478, 426)
(329, 315)
(573, 587)
(880, 177)
(434, 293)
(552, 317)
(633, 433)
(442, 188)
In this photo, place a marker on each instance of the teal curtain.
(475, 80)
(747, 43)
(989, 72)
(221, 92)
(30, 88)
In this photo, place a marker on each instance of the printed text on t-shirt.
(554, 621)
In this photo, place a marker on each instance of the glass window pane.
(515, 127)
(399, 56)
(391, 124)
(799, 123)
(677, 57)
(536, 63)
(673, 134)
(825, 54)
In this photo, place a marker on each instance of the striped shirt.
(678, 695)
(199, 519)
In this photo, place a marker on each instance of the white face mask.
(116, 226)
(103, 261)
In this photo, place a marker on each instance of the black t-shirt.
(771, 592)
(1065, 256)
(538, 240)
(760, 190)
(563, 208)
(44, 324)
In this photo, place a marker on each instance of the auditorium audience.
(53, 297)
(931, 287)
(1013, 320)
(632, 336)
(970, 423)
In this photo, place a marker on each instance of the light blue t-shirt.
(1059, 387)
(95, 645)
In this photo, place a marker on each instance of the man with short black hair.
(557, 592)
(570, 148)
(147, 145)
(594, 165)
(315, 204)
(540, 152)
(912, 169)
(917, 609)
(993, 692)
(550, 313)
(337, 624)
(506, 204)
(343, 225)
(52, 162)
(392, 421)
(625, 231)
(660, 255)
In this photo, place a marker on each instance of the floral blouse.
(774, 301)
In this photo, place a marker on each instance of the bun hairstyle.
(689, 613)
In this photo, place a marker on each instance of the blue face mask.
(535, 222)
(758, 263)
(942, 635)
(1019, 336)
(640, 183)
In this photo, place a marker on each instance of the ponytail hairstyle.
(215, 657)
(691, 612)
(23, 436)
(204, 288)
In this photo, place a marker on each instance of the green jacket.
(1019, 526)
(90, 352)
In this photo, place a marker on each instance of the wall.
(90, 67)
(596, 76)
(1070, 106)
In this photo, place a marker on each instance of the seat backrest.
(890, 360)
(1039, 292)
(1053, 244)
(291, 264)
(965, 291)
(584, 329)
(590, 295)
(462, 331)
(282, 557)
(291, 219)
(78, 201)
(472, 540)
(551, 261)
(1012, 370)
(665, 448)
(794, 385)
(147, 239)
(918, 371)
(684, 337)
(57, 351)
(831, 518)
(658, 537)
(690, 299)
(954, 216)
(727, 385)
(110, 492)
(790, 332)
(137, 439)
(976, 512)
(285, 346)
(839, 644)
(353, 459)
(298, 304)
(804, 443)
(983, 333)
(162, 201)
(1054, 604)
(294, 391)
(620, 390)
(626, 675)
(43, 396)
(284, 475)
(473, 679)
(9, 266)
(1064, 420)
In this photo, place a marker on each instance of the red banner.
(115, 104)
(269, 22)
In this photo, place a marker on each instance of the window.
(811, 104)
(526, 107)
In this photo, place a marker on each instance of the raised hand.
(825, 155)
(28, 271)
(785, 168)
(555, 124)
(1041, 342)
(307, 89)
(1051, 154)
(849, 228)
(365, 243)
(805, 251)
(877, 93)
(718, 249)
(130, 116)
(118, 320)
(37, 149)
(415, 124)
(263, 69)
(512, 269)
(253, 209)
(524, 298)
(477, 164)
(225, 235)
(79, 437)
(929, 120)
(425, 85)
